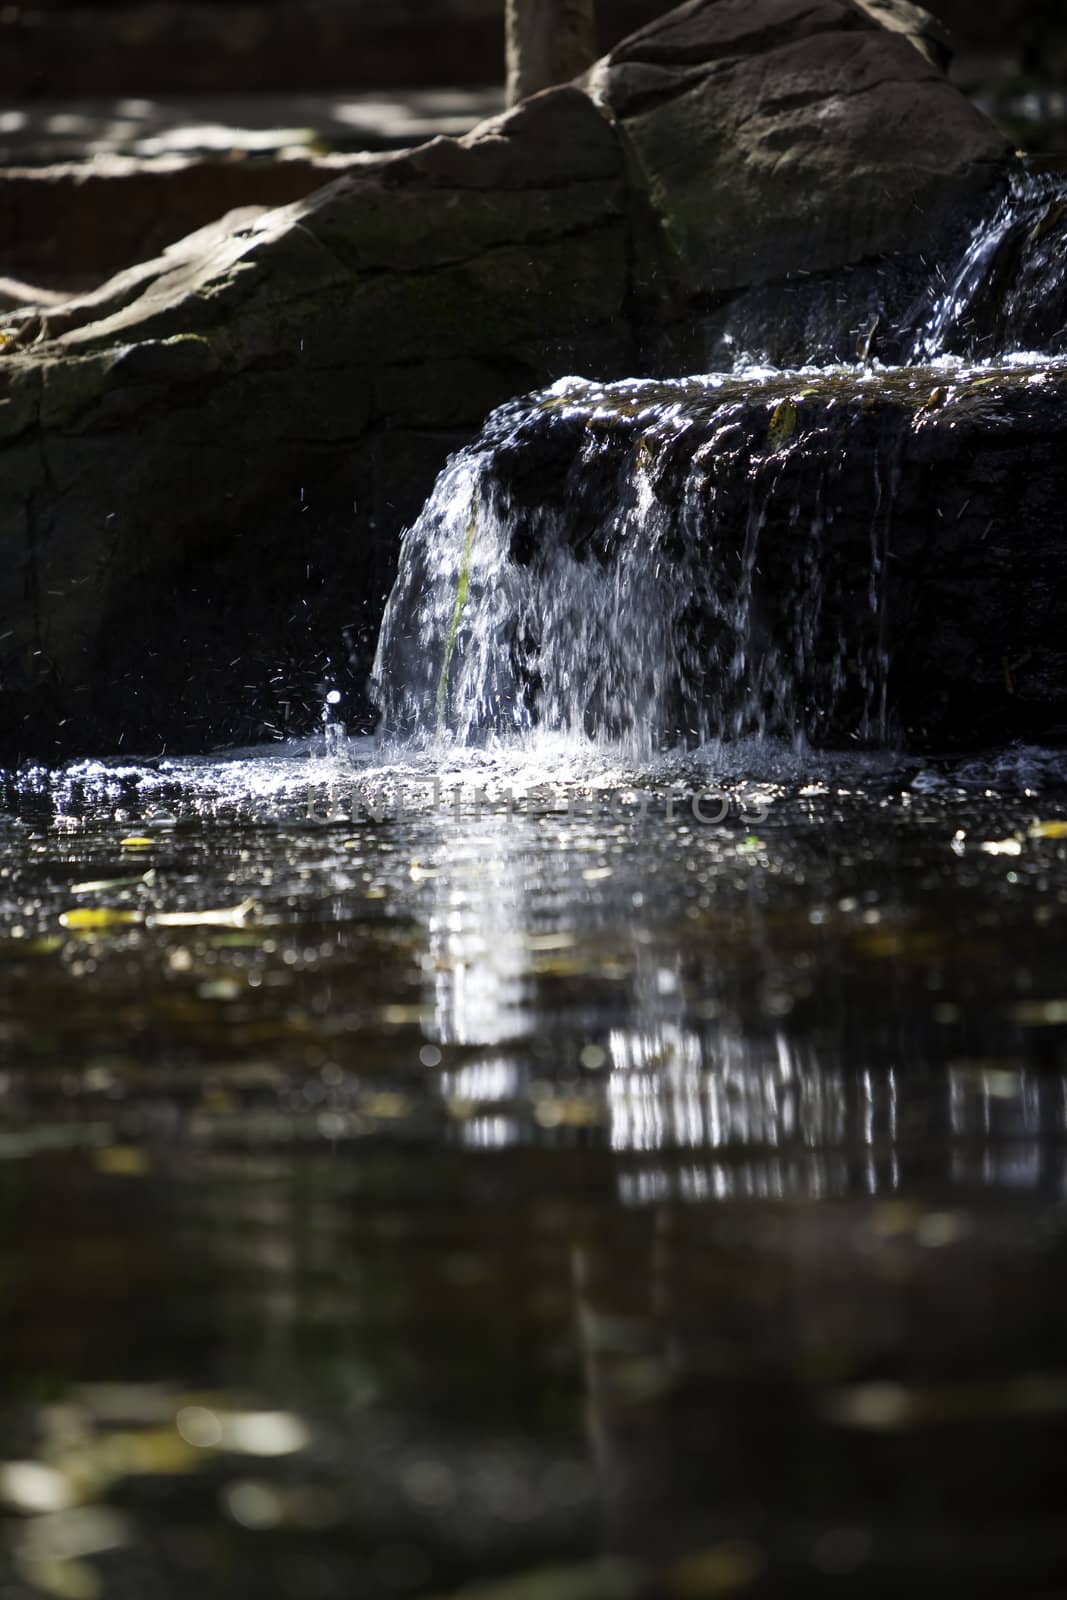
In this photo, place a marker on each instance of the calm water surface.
(405, 1194)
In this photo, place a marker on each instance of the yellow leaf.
(121, 1161)
(84, 918)
(783, 424)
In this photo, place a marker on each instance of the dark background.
(102, 47)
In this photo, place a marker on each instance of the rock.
(76, 223)
(924, 31)
(207, 462)
(906, 576)
(90, 187)
(837, 128)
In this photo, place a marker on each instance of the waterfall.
(611, 560)
(656, 564)
(1008, 292)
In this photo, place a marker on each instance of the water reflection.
(685, 1056)
(476, 926)
(680, 1211)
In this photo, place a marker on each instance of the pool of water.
(525, 1172)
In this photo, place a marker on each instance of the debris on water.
(1049, 830)
(106, 885)
(121, 1161)
(85, 919)
(221, 917)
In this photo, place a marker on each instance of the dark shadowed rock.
(789, 138)
(205, 465)
(851, 558)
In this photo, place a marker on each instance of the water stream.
(601, 560)
(589, 1140)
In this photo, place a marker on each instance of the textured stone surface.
(205, 466)
(840, 131)
(907, 577)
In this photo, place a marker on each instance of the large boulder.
(206, 464)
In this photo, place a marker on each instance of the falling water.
(598, 562)
(1009, 289)
(334, 732)
(667, 563)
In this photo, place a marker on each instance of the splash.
(610, 562)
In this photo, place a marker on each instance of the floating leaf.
(387, 1107)
(121, 1161)
(550, 941)
(136, 841)
(1049, 830)
(221, 917)
(103, 885)
(221, 989)
(84, 919)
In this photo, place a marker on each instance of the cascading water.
(592, 564)
(1009, 290)
(660, 564)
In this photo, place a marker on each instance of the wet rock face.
(856, 560)
(205, 466)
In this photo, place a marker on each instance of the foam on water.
(370, 783)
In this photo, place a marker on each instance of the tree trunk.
(549, 41)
